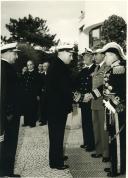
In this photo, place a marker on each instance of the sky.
(62, 16)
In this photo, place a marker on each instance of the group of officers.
(101, 94)
(99, 88)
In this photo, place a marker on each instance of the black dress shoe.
(65, 158)
(42, 123)
(110, 174)
(13, 175)
(31, 126)
(105, 159)
(60, 167)
(24, 125)
(96, 155)
(83, 146)
(107, 169)
(89, 149)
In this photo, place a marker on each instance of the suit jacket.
(97, 82)
(31, 84)
(43, 79)
(58, 90)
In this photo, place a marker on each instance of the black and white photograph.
(63, 88)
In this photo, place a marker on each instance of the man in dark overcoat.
(10, 115)
(58, 104)
(31, 88)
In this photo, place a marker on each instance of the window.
(94, 37)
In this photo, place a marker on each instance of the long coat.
(10, 116)
(58, 89)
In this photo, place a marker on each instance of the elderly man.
(31, 95)
(10, 110)
(84, 85)
(58, 104)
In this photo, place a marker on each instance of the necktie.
(98, 67)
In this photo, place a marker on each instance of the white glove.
(109, 106)
(76, 96)
(87, 97)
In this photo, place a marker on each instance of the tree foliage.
(32, 30)
(114, 29)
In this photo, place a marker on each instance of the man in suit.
(42, 104)
(10, 111)
(58, 104)
(84, 85)
(31, 95)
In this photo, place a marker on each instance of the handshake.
(78, 97)
(87, 97)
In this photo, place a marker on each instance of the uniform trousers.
(100, 135)
(10, 145)
(117, 135)
(56, 139)
(87, 126)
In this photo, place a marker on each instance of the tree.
(114, 29)
(32, 30)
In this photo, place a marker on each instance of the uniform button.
(107, 92)
(110, 87)
(105, 79)
(106, 84)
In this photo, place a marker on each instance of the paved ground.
(32, 156)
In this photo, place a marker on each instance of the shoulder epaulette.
(118, 70)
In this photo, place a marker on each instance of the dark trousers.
(56, 138)
(30, 110)
(1, 158)
(42, 108)
(10, 145)
(87, 126)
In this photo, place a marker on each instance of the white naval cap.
(112, 47)
(69, 48)
(86, 51)
(9, 46)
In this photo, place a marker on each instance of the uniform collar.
(115, 63)
(5, 60)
